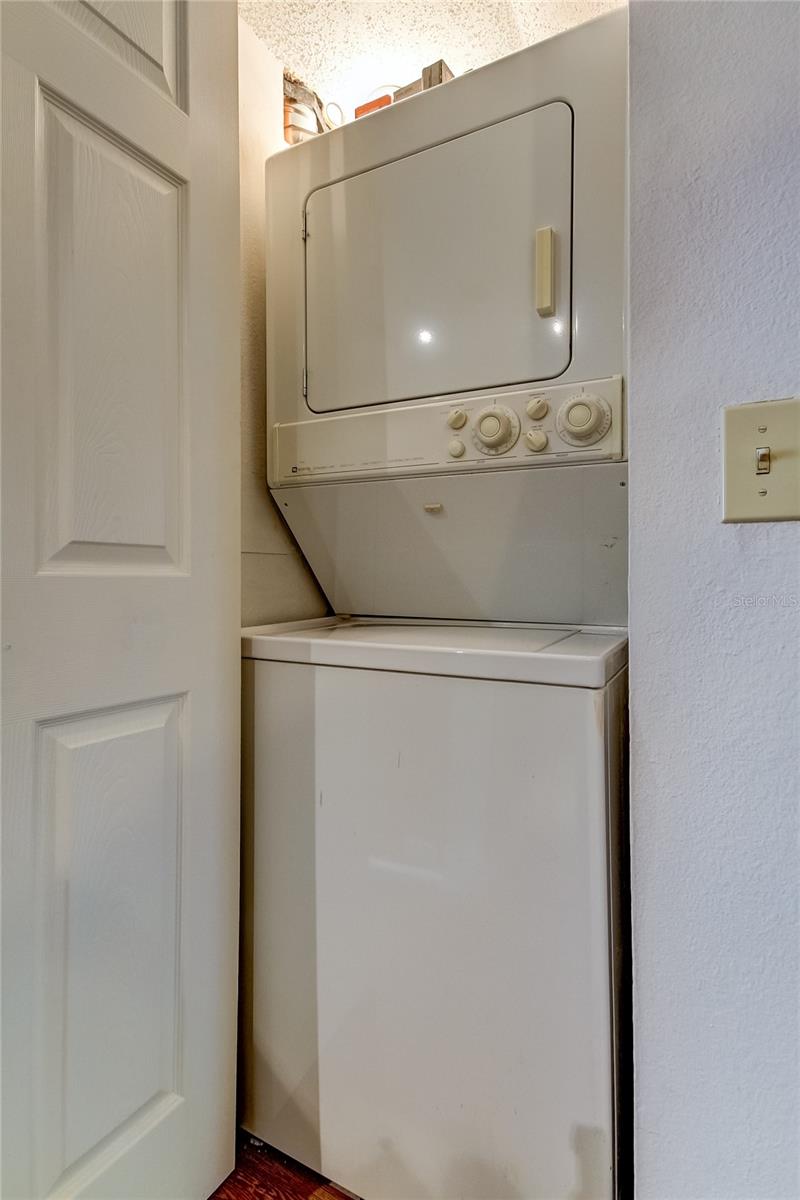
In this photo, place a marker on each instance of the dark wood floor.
(264, 1174)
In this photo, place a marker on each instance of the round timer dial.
(495, 430)
(583, 420)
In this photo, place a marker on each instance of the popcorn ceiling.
(350, 50)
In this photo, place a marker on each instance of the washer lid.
(523, 653)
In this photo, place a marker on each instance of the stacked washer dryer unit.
(433, 775)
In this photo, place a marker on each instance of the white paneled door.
(120, 604)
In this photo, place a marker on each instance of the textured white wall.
(276, 583)
(349, 49)
(715, 614)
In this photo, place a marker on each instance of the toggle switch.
(761, 450)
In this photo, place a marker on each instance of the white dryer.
(433, 835)
(445, 335)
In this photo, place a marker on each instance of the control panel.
(533, 427)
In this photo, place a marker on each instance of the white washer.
(429, 993)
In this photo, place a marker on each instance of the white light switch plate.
(773, 428)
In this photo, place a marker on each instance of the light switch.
(761, 449)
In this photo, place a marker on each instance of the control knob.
(496, 429)
(536, 439)
(583, 419)
(537, 407)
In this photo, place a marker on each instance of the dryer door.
(422, 276)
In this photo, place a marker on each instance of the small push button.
(456, 448)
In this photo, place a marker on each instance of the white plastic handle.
(545, 276)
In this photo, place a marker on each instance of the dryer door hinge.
(305, 382)
(304, 229)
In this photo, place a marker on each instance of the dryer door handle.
(545, 274)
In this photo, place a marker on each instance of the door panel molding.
(107, 898)
(147, 38)
(112, 462)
